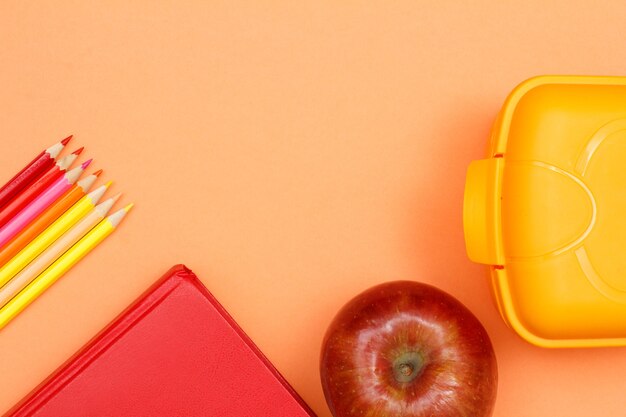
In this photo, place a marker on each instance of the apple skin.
(408, 349)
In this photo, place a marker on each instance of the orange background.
(292, 154)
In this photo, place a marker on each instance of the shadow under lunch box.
(546, 211)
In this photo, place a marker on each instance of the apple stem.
(407, 367)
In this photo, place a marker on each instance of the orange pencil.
(46, 218)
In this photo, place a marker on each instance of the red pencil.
(31, 172)
(29, 193)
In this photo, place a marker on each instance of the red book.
(174, 352)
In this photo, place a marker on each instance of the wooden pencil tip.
(97, 173)
(128, 207)
(78, 151)
(116, 197)
(66, 140)
(86, 163)
(108, 184)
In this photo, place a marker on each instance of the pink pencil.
(40, 203)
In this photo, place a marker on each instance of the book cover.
(174, 352)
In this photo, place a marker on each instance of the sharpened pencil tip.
(116, 197)
(78, 151)
(108, 184)
(128, 207)
(66, 140)
(86, 163)
(115, 218)
(97, 173)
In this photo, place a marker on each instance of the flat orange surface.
(292, 154)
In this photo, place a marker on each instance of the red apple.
(406, 349)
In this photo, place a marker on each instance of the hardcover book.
(174, 352)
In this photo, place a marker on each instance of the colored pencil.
(46, 218)
(66, 261)
(52, 233)
(52, 253)
(40, 203)
(31, 172)
(28, 194)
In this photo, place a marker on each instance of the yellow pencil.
(54, 251)
(52, 233)
(61, 266)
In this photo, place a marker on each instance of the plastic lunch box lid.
(546, 210)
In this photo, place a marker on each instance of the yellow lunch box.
(546, 211)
